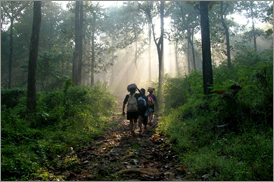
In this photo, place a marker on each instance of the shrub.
(10, 97)
(225, 136)
(65, 118)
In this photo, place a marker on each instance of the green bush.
(64, 118)
(10, 97)
(224, 136)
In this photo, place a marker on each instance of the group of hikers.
(139, 107)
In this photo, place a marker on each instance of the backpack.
(141, 102)
(132, 104)
(150, 100)
(148, 111)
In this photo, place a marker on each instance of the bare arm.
(123, 111)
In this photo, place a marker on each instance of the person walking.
(152, 100)
(142, 107)
(132, 107)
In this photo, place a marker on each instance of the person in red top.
(152, 100)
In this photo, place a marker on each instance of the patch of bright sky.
(237, 18)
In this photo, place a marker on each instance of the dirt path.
(118, 156)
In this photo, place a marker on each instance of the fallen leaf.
(182, 167)
(85, 162)
(135, 161)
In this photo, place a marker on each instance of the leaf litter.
(118, 156)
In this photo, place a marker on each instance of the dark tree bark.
(188, 57)
(34, 43)
(80, 48)
(207, 66)
(11, 53)
(76, 50)
(149, 52)
(193, 49)
(190, 40)
(176, 58)
(226, 36)
(93, 50)
(160, 47)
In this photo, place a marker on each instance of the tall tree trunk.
(13, 15)
(11, 53)
(207, 66)
(93, 50)
(226, 36)
(112, 61)
(51, 27)
(190, 36)
(253, 27)
(188, 57)
(176, 58)
(76, 50)
(93, 54)
(31, 93)
(149, 52)
(80, 50)
(193, 50)
(160, 47)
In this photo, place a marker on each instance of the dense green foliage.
(71, 117)
(226, 136)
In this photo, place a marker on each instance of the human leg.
(140, 118)
(145, 122)
(131, 127)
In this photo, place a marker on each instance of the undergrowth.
(227, 136)
(34, 144)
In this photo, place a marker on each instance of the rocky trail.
(118, 156)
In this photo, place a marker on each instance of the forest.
(66, 65)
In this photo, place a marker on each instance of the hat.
(150, 89)
(133, 85)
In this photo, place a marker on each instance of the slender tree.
(31, 92)
(160, 43)
(80, 48)
(13, 14)
(160, 49)
(222, 10)
(206, 54)
(256, 11)
(149, 52)
(76, 49)
(93, 48)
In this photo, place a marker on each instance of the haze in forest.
(121, 40)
